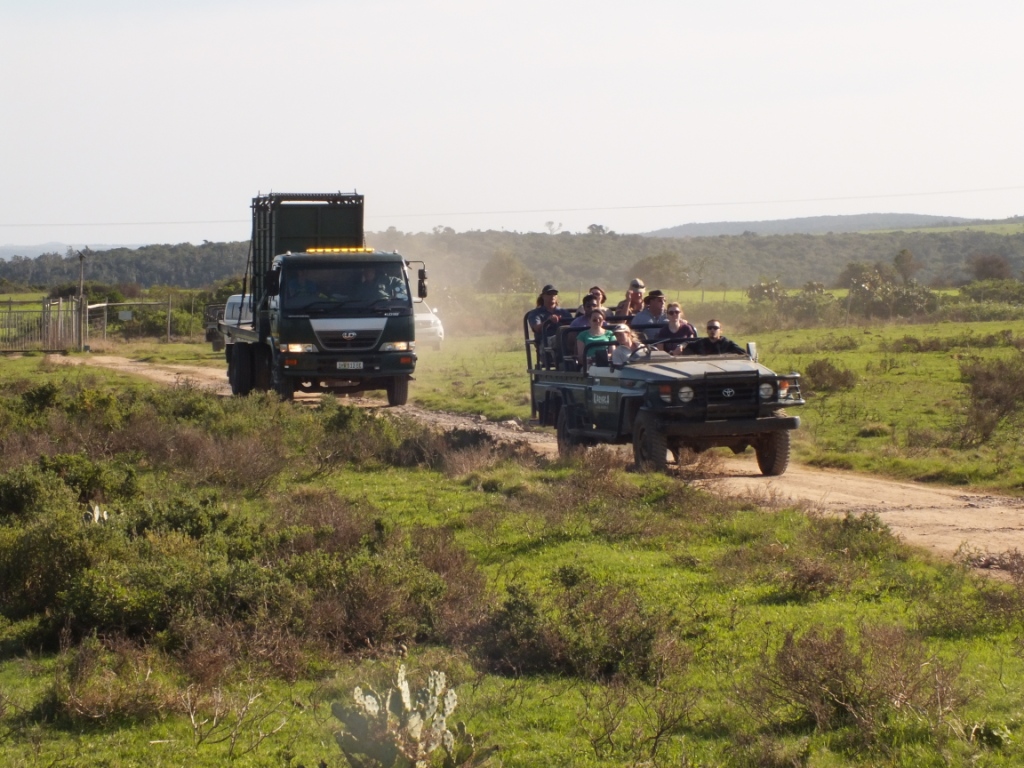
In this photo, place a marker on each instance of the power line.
(549, 210)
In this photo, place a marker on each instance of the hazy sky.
(133, 122)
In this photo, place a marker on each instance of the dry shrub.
(111, 679)
(995, 395)
(962, 604)
(871, 682)
(630, 724)
(692, 466)
(825, 376)
(765, 751)
(807, 578)
(215, 651)
(874, 429)
(460, 610)
(321, 521)
(582, 627)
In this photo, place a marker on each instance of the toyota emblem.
(728, 392)
(348, 335)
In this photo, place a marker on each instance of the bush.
(826, 376)
(870, 681)
(995, 395)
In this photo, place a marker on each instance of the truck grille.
(731, 396)
(340, 341)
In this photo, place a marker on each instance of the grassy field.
(888, 398)
(262, 559)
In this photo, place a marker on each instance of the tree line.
(494, 262)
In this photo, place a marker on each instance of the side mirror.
(273, 280)
(422, 288)
(752, 350)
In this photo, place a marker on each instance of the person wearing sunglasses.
(714, 343)
(595, 334)
(668, 337)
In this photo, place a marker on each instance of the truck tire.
(566, 442)
(398, 390)
(241, 358)
(773, 453)
(650, 446)
(283, 385)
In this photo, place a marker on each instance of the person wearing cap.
(634, 301)
(545, 319)
(653, 312)
(713, 344)
(626, 343)
(596, 333)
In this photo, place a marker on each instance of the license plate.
(355, 366)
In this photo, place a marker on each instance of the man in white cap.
(634, 301)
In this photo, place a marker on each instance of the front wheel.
(773, 453)
(650, 446)
(398, 390)
(566, 442)
(283, 385)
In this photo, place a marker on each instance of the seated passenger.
(714, 344)
(667, 337)
(595, 333)
(626, 343)
(582, 320)
(597, 291)
(653, 312)
(544, 321)
(634, 301)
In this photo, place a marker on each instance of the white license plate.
(356, 366)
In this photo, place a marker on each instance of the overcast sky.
(132, 122)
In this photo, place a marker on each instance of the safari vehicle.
(663, 404)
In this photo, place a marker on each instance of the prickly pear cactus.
(401, 730)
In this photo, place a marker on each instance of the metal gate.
(54, 328)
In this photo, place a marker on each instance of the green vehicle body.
(330, 315)
(664, 405)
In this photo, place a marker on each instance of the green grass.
(604, 557)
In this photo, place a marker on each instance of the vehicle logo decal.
(348, 335)
(728, 392)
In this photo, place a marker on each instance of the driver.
(714, 343)
(301, 289)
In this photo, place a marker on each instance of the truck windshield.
(353, 286)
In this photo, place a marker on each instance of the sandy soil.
(940, 519)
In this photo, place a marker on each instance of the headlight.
(685, 394)
(396, 346)
(298, 348)
(766, 390)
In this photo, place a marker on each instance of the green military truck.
(329, 314)
(663, 405)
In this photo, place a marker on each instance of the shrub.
(29, 490)
(995, 395)
(825, 376)
(871, 681)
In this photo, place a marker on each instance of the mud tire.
(650, 446)
(398, 391)
(773, 453)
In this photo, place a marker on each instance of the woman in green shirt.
(595, 332)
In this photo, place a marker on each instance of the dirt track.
(937, 518)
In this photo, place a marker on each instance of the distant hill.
(31, 251)
(811, 225)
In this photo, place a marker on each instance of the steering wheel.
(645, 348)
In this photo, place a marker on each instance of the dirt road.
(937, 518)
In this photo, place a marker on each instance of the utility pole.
(83, 313)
